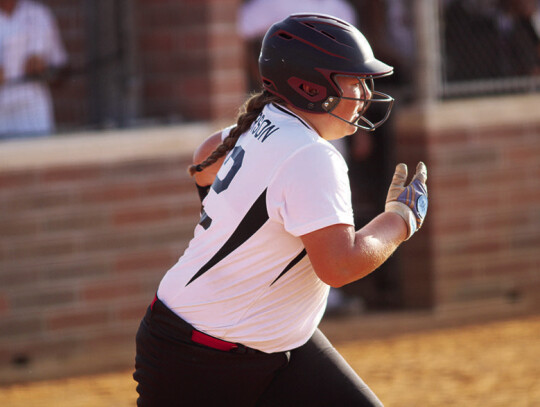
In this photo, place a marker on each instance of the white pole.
(428, 74)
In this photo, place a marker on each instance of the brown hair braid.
(248, 113)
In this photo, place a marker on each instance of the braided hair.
(248, 113)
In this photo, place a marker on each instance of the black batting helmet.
(311, 50)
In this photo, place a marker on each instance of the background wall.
(480, 250)
(90, 223)
(147, 62)
(88, 226)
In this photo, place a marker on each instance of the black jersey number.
(237, 155)
(219, 185)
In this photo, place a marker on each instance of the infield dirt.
(494, 364)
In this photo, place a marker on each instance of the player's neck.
(311, 118)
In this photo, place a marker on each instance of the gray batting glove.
(411, 201)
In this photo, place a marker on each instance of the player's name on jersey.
(262, 128)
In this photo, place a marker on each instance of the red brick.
(20, 326)
(224, 11)
(47, 248)
(111, 290)
(17, 179)
(145, 214)
(132, 312)
(17, 226)
(81, 221)
(482, 246)
(502, 221)
(69, 174)
(36, 200)
(16, 277)
(41, 298)
(108, 241)
(524, 195)
(151, 259)
(497, 176)
(172, 187)
(191, 210)
(112, 193)
(522, 154)
(452, 225)
(158, 41)
(77, 319)
(472, 157)
(4, 305)
(520, 241)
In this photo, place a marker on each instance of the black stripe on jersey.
(293, 263)
(291, 114)
(252, 222)
(205, 221)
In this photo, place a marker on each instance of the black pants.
(171, 370)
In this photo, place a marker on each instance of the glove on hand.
(411, 201)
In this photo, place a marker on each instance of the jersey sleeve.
(225, 132)
(311, 191)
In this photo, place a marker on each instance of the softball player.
(234, 322)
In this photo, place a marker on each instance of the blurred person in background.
(486, 39)
(518, 26)
(256, 16)
(31, 54)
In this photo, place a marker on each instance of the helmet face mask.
(302, 56)
(368, 88)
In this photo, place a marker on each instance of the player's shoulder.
(281, 115)
(294, 136)
(293, 130)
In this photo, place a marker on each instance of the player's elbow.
(337, 275)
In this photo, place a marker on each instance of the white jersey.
(245, 276)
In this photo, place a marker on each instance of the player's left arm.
(205, 178)
(339, 255)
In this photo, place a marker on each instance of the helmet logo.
(310, 91)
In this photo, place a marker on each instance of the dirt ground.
(494, 365)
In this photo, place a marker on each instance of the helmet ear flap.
(308, 90)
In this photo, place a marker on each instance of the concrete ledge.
(103, 146)
(462, 114)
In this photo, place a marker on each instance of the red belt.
(211, 342)
(207, 340)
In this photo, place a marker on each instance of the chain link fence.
(443, 49)
(489, 47)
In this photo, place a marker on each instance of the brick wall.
(187, 60)
(88, 224)
(71, 94)
(191, 58)
(480, 246)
